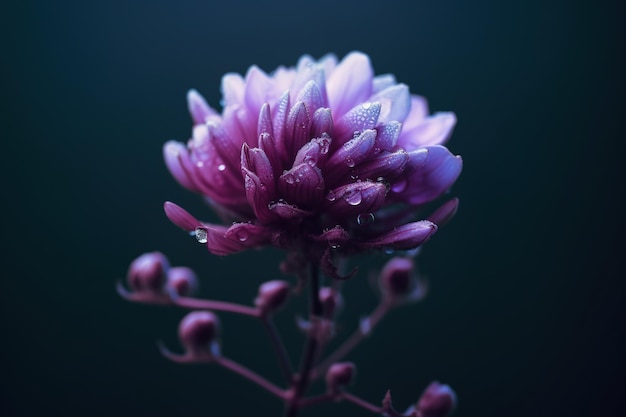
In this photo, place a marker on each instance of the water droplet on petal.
(334, 245)
(289, 178)
(354, 198)
(331, 196)
(242, 235)
(201, 235)
(366, 106)
(388, 251)
(365, 219)
(350, 162)
(221, 167)
(324, 144)
(200, 164)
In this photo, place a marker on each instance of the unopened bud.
(182, 280)
(397, 277)
(331, 301)
(272, 295)
(198, 331)
(438, 400)
(148, 272)
(339, 375)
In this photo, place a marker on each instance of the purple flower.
(322, 155)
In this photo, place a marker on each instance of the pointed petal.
(419, 111)
(387, 135)
(322, 123)
(311, 96)
(395, 103)
(180, 217)
(314, 152)
(387, 166)
(258, 84)
(265, 121)
(362, 117)
(233, 88)
(350, 83)
(256, 161)
(218, 244)
(249, 235)
(380, 82)
(288, 211)
(172, 152)
(435, 177)
(258, 196)
(198, 108)
(434, 130)
(354, 199)
(408, 236)
(279, 118)
(302, 185)
(297, 128)
(348, 156)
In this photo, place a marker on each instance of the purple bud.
(405, 237)
(331, 301)
(397, 278)
(437, 401)
(272, 295)
(147, 273)
(198, 330)
(182, 280)
(339, 375)
(302, 185)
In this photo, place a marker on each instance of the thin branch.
(250, 375)
(279, 348)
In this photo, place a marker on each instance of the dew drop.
(388, 251)
(331, 196)
(365, 219)
(350, 162)
(289, 178)
(201, 235)
(324, 146)
(242, 235)
(334, 245)
(310, 160)
(221, 167)
(366, 106)
(354, 198)
(200, 164)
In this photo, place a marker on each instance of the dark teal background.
(526, 311)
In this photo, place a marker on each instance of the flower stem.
(355, 338)
(250, 375)
(197, 304)
(302, 380)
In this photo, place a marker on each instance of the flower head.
(325, 154)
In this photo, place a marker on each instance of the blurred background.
(525, 316)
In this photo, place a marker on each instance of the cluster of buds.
(152, 280)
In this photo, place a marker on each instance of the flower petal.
(322, 123)
(445, 213)
(395, 103)
(354, 199)
(198, 108)
(434, 130)
(297, 128)
(408, 236)
(350, 83)
(180, 217)
(258, 84)
(258, 196)
(248, 234)
(233, 88)
(302, 185)
(348, 156)
(387, 135)
(172, 152)
(386, 166)
(436, 176)
(311, 96)
(362, 117)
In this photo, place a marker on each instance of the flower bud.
(437, 400)
(272, 295)
(339, 375)
(331, 301)
(147, 273)
(182, 280)
(397, 278)
(198, 331)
